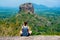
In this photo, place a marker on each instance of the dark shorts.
(25, 35)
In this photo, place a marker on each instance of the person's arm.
(21, 30)
(29, 30)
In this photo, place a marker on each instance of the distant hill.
(41, 7)
(45, 8)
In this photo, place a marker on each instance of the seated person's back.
(25, 30)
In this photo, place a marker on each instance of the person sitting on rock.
(25, 30)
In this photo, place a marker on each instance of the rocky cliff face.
(27, 7)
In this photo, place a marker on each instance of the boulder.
(27, 7)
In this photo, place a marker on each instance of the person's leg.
(21, 35)
(28, 34)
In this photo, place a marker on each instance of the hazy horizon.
(16, 3)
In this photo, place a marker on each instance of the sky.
(16, 3)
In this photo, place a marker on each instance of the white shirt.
(25, 26)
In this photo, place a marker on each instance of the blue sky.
(16, 3)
